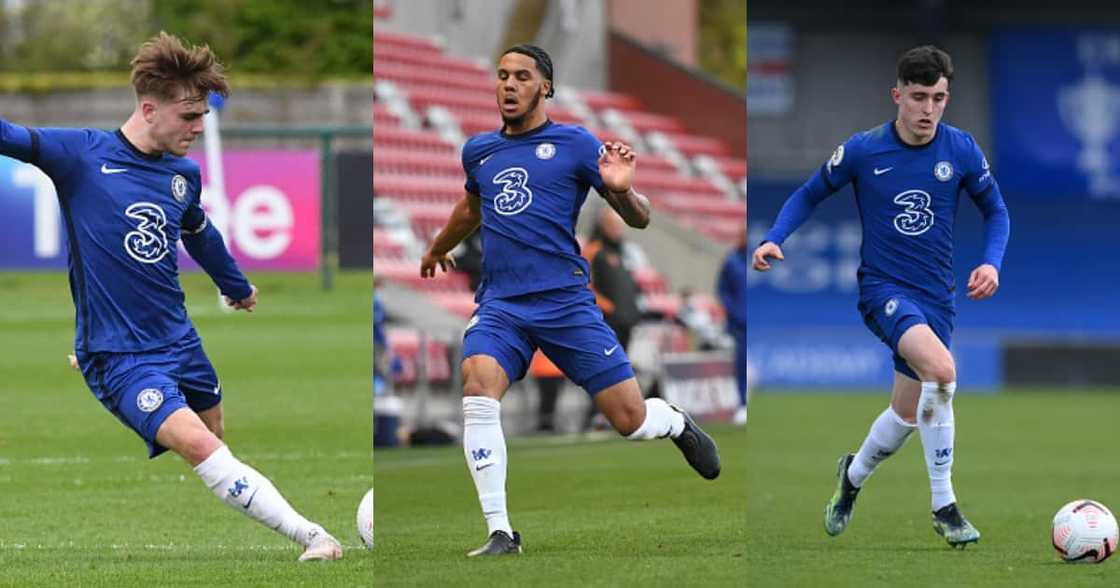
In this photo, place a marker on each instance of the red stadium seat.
(443, 191)
(459, 303)
(400, 40)
(392, 160)
(649, 281)
(600, 100)
(645, 122)
(405, 75)
(384, 246)
(735, 168)
(383, 117)
(405, 138)
(662, 183)
(692, 145)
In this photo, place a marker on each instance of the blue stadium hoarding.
(1060, 277)
(1055, 111)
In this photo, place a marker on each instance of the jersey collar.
(547, 123)
(149, 156)
(897, 137)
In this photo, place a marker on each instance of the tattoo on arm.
(633, 207)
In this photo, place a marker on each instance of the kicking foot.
(499, 543)
(321, 547)
(838, 511)
(698, 447)
(951, 524)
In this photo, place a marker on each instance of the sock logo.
(239, 486)
(944, 454)
(482, 458)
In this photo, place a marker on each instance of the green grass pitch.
(592, 513)
(1019, 457)
(80, 503)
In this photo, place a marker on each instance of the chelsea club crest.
(179, 187)
(546, 151)
(943, 171)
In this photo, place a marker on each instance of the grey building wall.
(841, 84)
(844, 63)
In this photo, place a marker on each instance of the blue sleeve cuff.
(207, 248)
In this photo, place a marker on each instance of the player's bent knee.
(473, 387)
(943, 371)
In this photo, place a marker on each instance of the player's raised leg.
(887, 435)
(240, 486)
(929, 357)
(484, 445)
(654, 418)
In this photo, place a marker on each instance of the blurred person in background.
(128, 197)
(731, 285)
(908, 174)
(525, 184)
(615, 290)
(550, 381)
(387, 406)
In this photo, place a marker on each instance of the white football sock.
(661, 421)
(484, 446)
(935, 425)
(249, 492)
(887, 435)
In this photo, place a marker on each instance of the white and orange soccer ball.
(365, 519)
(1085, 532)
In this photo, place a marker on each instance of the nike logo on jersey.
(105, 169)
(482, 161)
(608, 352)
(880, 172)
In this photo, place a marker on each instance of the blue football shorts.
(142, 389)
(564, 323)
(890, 315)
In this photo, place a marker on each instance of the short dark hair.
(924, 65)
(540, 56)
(165, 66)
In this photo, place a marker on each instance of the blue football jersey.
(907, 198)
(531, 188)
(123, 213)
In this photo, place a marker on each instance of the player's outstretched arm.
(760, 260)
(465, 218)
(205, 245)
(16, 142)
(616, 167)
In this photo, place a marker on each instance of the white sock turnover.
(887, 435)
(661, 421)
(935, 425)
(246, 490)
(484, 446)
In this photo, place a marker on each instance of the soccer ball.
(365, 519)
(1085, 532)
